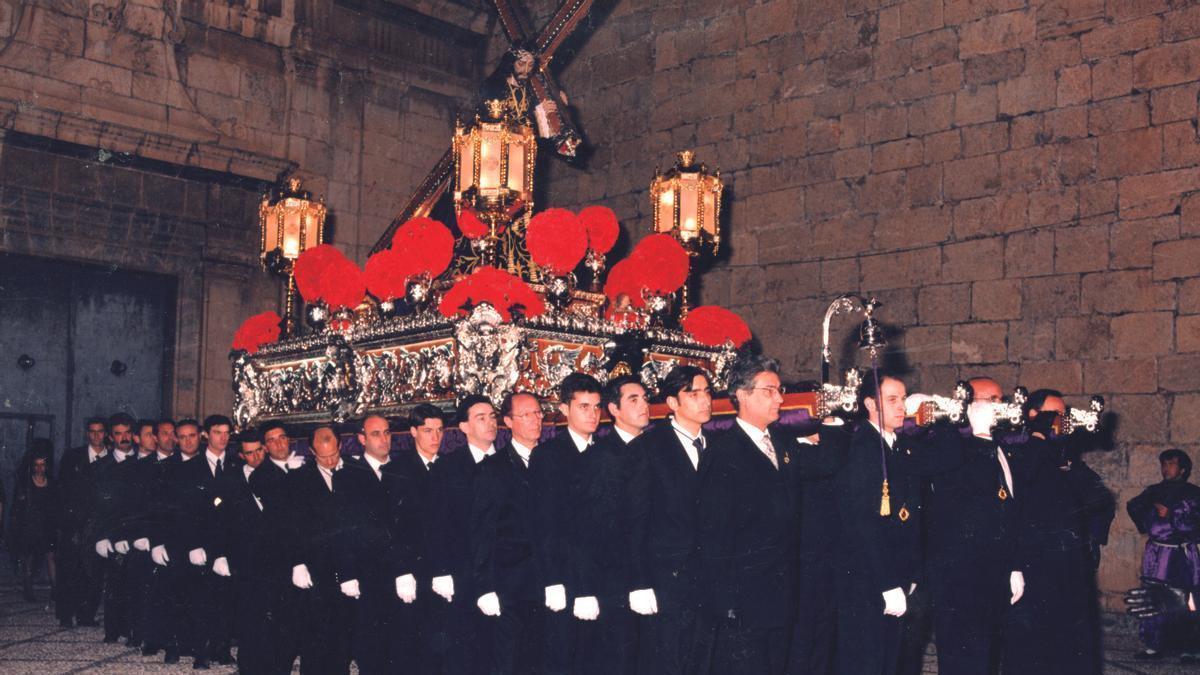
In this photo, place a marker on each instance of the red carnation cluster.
(713, 326)
(602, 228)
(324, 274)
(470, 224)
(658, 265)
(420, 246)
(499, 289)
(557, 240)
(257, 331)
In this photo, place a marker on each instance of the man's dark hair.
(121, 419)
(745, 369)
(165, 420)
(612, 390)
(187, 422)
(464, 407)
(312, 433)
(142, 424)
(425, 411)
(576, 383)
(1185, 462)
(216, 420)
(249, 435)
(1038, 398)
(268, 427)
(95, 420)
(868, 390)
(506, 405)
(679, 379)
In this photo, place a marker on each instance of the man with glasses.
(748, 523)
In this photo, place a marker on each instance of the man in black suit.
(152, 626)
(557, 475)
(506, 560)
(325, 615)
(879, 504)
(422, 624)
(79, 580)
(664, 490)
(748, 524)
(117, 507)
(372, 563)
(972, 529)
(139, 567)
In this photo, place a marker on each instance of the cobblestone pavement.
(32, 643)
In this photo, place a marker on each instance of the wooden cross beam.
(565, 20)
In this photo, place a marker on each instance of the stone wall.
(140, 132)
(1017, 181)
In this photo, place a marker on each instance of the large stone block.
(974, 343)
(943, 303)
(1122, 376)
(1143, 333)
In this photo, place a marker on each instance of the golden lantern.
(686, 202)
(493, 172)
(291, 222)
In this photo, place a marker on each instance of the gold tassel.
(885, 504)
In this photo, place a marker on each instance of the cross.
(565, 20)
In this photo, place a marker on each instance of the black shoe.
(149, 650)
(200, 664)
(223, 657)
(172, 656)
(133, 643)
(1148, 655)
(88, 623)
(65, 623)
(110, 639)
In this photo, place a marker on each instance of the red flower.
(713, 326)
(623, 281)
(311, 265)
(257, 331)
(557, 240)
(427, 244)
(387, 274)
(342, 285)
(470, 225)
(662, 263)
(500, 289)
(602, 228)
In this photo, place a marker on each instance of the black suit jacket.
(604, 568)
(244, 535)
(502, 532)
(747, 525)
(78, 480)
(556, 472)
(455, 489)
(311, 513)
(368, 536)
(414, 519)
(119, 500)
(664, 494)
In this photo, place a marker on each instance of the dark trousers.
(118, 618)
(139, 578)
(607, 645)
(814, 633)
(255, 627)
(666, 640)
(79, 580)
(916, 632)
(968, 619)
(327, 620)
(558, 640)
(1054, 628)
(734, 649)
(374, 642)
(868, 641)
(515, 640)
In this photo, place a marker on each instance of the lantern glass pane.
(666, 211)
(270, 229)
(709, 223)
(489, 160)
(466, 163)
(516, 167)
(312, 228)
(689, 212)
(291, 233)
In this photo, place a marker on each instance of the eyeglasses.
(525, 415)
(771, 391)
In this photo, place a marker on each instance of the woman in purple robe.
(1169, 512)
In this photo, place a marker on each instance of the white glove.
(142, 544)
(121, 547)
(350, 589)
(1016, 582)
(894, 602)
(221, 566)
(556, 598)
(643, 601)
(197, 556)
(103, 548)
(489, 604)
(444, 586)
(159, 555)
(295, 462)
(301, 577)
(913, 403)
(981, 416)
(406, 588)
(912, 588)
(586, 608)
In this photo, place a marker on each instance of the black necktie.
(698, 443)
(218, 472)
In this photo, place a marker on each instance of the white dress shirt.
(889, 437)
(581, 443)
(625, 435)
(281, 464)
(757, 435)
(689, 445)
(94, 454)
(212, 461)
(523, 452)
(327, 474)
(376, 465)
(428, 461)
(121, 456)
(478, 454)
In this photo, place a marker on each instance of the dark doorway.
(77, 341)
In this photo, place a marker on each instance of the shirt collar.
(213, 459)
(625, 435)
(122, 456)
(752, 431)
(330, 471)
(478, 454)
(94, 455)
(283, 464)
(580, 442)
(523, 451)
(162, 457)
(425, 461)
(247, 470)
(375, 464)
(183, 456)
(682, 432)
(889, 436)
